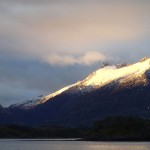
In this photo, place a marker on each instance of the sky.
(48, 44)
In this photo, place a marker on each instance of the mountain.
(110, 91)
(100, 78)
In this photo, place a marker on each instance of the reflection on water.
(71, 145)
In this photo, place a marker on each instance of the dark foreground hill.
(108, 129)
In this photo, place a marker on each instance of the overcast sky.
(47, 44)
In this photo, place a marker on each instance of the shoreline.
(76, 139)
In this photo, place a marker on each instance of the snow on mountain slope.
(98, 79)
(45, 98)
(110, 73)
(29, 103)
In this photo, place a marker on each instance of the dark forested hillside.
(110, 128)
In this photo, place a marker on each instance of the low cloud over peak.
(87, 58)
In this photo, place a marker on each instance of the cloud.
(37, 27)
(64, 60)
(65, 32)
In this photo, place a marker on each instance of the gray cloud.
(86, 59)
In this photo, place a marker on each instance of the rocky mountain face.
(113, 90)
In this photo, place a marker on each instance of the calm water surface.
(71, 145)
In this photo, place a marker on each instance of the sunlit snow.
(99, 78)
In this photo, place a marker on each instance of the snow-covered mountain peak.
(101, 77)
(111, 73)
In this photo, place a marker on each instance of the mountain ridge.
(97, 79)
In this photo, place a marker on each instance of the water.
(71, 145)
